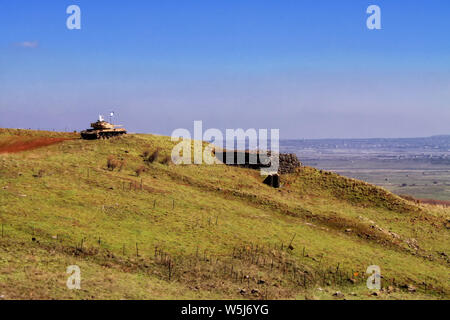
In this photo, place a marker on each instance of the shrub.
(146, 153)
(140, 170)
(166, 160)
(122, 165)
(40, 173)
(152, 158)
(112, 163)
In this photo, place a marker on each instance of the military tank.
(102, 130)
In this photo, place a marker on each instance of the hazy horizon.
(311, 69)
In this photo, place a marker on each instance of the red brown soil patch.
(18, 144)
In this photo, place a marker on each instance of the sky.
(309, 68)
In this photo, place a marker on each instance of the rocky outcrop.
(288, 163)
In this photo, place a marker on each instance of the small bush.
(112, 163)
(122, 164)
(153, 157)
(40, 173)
(166, 160)
(146, 153)
(140, 170)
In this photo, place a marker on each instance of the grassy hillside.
(199, 231)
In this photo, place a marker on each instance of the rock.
(375, 294)
(338, 294)
(255, 291)
(353, 294)
(288, 163)
(348, 230)
(411, 288)
(2, 296)
(412, 243)
(394, 235)
(261, 281)
(243, 291)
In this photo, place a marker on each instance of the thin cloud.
(28, 44)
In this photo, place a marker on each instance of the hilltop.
(153, 230)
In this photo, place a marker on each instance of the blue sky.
(310, 68)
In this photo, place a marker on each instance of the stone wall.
(288, 162)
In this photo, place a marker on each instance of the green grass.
(204, 231)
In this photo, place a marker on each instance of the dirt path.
(19, 144)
